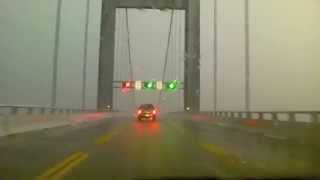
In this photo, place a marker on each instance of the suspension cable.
(175, 56)
(179, 54)
(129, 51)
(171, 72)
(176, 53)
(116, 57)
(122, 51)
(129, 45)
(167, 54)
(118, 53)
(215, 56)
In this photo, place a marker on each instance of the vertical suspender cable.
(247, 56)
(176, 60)
(56, 55)
(129, 51)
(176, 50)
(129, 45)
(179, 55)
(173, 66)
(117, 54)
(172, 49)
(167, 53)
(122, 51)
(215, 55)
(85, 56)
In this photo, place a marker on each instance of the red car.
(147, 112)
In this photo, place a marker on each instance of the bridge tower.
(192, 47)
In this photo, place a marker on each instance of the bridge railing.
(33, 109)
(22, 118)
(277, 116)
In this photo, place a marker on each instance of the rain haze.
(159, 89)
(27, 49)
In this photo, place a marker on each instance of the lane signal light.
(138, 85)
(159, 85)
(149, 85)
(126, 86)
(172, 85)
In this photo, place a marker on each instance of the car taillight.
(154, 112)
(139, 111)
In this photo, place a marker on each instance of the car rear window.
(147, 106)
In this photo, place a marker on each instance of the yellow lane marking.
(68, 168)
(231, 162)
(62, 166)
(229, 159)
(105, 138)
(193, 140)
(214, 149)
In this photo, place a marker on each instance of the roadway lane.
(118, 148)
(146, 150)
(24, 156)
(121, 148)
(263, 153)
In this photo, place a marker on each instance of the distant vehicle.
(147, 112)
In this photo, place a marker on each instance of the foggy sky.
(284, 39)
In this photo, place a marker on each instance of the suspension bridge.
(235, 83)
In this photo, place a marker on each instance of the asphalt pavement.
(172, 147)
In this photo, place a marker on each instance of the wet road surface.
(123, 148)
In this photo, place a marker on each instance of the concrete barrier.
(20, 119)
(296, 127)
(13, 124)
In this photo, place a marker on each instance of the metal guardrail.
(30, 109)
(23, 118)
(275, 116)
(290, 116)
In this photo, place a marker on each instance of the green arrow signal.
(172, 85)
(149, 85)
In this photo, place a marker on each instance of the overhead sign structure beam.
(152, 4)
(192, 47)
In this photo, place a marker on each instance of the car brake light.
(154, 112)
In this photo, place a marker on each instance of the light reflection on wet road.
(122, 148)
